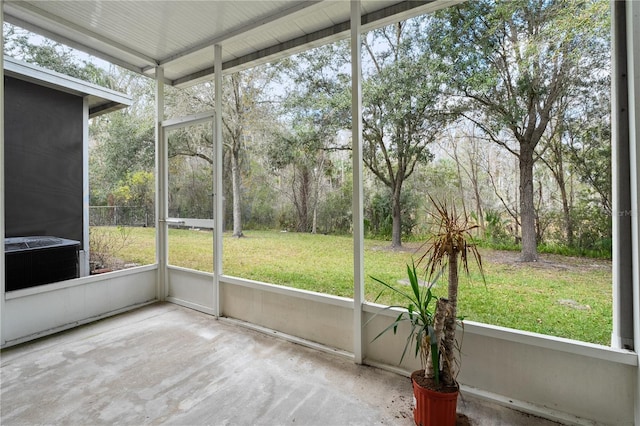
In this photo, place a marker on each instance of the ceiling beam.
(35, 19)
(271, 52)
(379, 18)
(243, 29)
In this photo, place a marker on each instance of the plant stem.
(448, 344)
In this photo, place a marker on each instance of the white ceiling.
(180, 35)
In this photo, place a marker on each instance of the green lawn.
(559, 296)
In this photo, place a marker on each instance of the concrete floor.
(164, 364)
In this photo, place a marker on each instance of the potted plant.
(433, 328)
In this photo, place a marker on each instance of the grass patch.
(563, 297)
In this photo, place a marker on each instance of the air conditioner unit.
(33, 261)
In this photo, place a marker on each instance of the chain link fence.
(121, 216)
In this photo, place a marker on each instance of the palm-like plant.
(451, 247)
(419, 314)
(432, 332)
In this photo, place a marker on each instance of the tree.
(319, 88)
(302, 151)
(314, 111)
(246, 113)
(191, 171)
(20, 44)
(587, 138)
(465, 149)
(137, 190)
(555, 159)
(122, 142)
(511, 62)
(403, 111)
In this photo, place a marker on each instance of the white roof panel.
(100, 99)
(180, 35)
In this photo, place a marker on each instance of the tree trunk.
(459, 172)
(477, 196)
(451, 308)
(301, 200)
(318, 172)
(557, 170)
(527, 208)
(566, 208)
(314, 222)
(236, 186)
(429, 370)
(396, 214)
(438, 329)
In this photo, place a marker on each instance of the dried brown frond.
(453, 238)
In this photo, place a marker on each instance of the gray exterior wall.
(43, 161)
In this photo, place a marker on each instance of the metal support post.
(162, 185)
(218, 211)
(358, 191)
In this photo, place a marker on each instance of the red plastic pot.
(433, 408)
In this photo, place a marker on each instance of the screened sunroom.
(184, 43)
